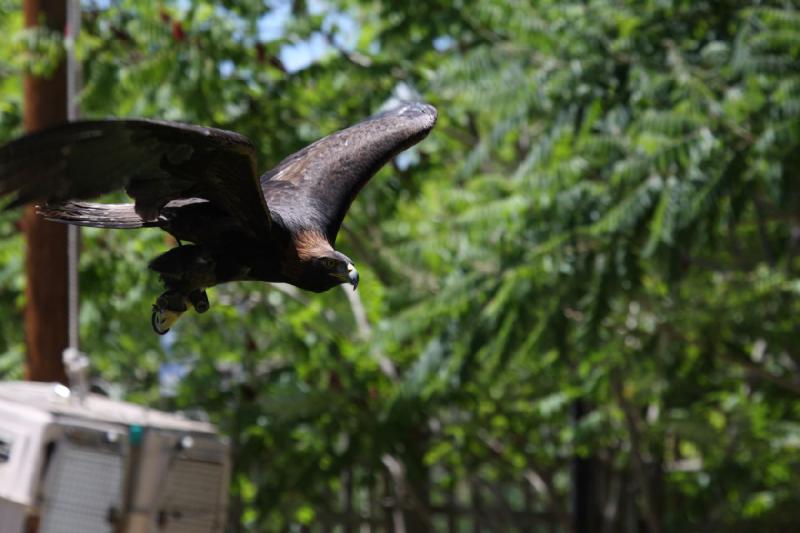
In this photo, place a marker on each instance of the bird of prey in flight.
(201, 185)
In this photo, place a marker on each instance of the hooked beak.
(352, 275)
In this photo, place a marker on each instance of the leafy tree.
(607, 212)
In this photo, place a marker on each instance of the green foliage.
(11, 246)
(606, 211)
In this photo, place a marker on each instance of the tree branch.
(633, 421)
(762, 230)
(365, 332)
(791, 385)
(354, 57)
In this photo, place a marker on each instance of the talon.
(167, 310)
(199, 300)
(160, 320)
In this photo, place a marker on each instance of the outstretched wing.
(155, 161)
(324, 178)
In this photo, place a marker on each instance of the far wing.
(328, 174)
(155, 161)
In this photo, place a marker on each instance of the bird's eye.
(329, 263)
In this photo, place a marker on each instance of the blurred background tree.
(607, 216)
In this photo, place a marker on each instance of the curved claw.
(157, 321)
(163, 319)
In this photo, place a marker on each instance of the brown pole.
(46, 319)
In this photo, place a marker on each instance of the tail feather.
(117, 216)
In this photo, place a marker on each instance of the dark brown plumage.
(200, 185)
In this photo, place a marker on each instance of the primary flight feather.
(201, 185)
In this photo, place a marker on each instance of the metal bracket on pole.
(77, 366)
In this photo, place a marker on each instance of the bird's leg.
(172, 304)
(186, 271)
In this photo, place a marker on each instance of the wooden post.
(46, 318)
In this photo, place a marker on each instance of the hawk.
(201, 185)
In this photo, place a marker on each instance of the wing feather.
(326, 176)
(154, 161)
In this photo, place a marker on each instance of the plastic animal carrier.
(99, 465)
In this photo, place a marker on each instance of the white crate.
(89, 467)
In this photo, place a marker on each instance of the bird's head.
(321, 267)
(325, 271)
(337, 268)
